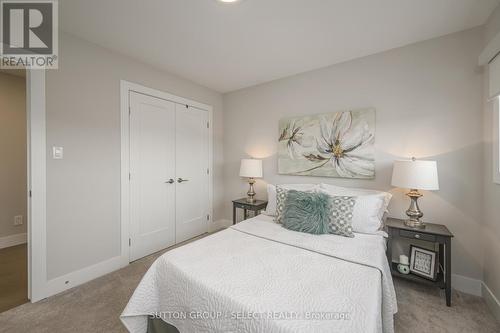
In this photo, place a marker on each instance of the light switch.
(57, 153)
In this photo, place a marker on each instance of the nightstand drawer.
(417, 235)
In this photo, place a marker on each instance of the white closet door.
(152, 165)
(192, 178)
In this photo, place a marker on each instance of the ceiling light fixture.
(228, 1)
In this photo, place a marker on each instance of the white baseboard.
(466, 285)
(13, 240)
(73, 279)
(477, 288)
(86, 274)
(491, 300)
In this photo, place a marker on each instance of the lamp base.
(251, 192)
(415, 224)
(414, 213)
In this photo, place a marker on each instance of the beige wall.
(83, 116)
(491, 234)
(13, 153)
(428, 98)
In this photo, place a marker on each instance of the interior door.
(191, 158)
(152, 175)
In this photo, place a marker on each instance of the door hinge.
(129, 242)
(129, 176)
(29, 193)
(129, 110)
(208, 124)
(208, 217)
(208, 171)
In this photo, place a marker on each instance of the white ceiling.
(231, 46)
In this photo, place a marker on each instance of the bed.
(257, 276)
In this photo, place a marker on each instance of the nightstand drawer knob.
(417, 236)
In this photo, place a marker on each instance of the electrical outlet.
(18, 220)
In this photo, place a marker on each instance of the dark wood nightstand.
(255, 206)
(434, 233)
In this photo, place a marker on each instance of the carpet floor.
(95, 307)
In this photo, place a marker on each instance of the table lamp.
(415, 175)
(251, 169)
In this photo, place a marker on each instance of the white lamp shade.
(419, 175)
(251, 168)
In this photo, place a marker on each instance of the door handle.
(180, 180)
(170, 181)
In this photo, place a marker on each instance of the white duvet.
(259, 277)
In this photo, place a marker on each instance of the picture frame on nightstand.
(423, 262)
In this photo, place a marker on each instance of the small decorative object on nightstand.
(251, 169)
(404, 265)
(433, 233)
(415, 175)
(256, 206)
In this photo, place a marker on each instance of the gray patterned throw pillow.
(281, 194)
(340, 212)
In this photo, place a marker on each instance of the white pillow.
(271, 194)
(369, 208)
(339, 190)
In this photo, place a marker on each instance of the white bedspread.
(259, 277)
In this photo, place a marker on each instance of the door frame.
(36, 183)
(125, 88)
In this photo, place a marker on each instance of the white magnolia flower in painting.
(295, 139)
(348, 148)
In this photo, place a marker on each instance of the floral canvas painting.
(337, 144)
